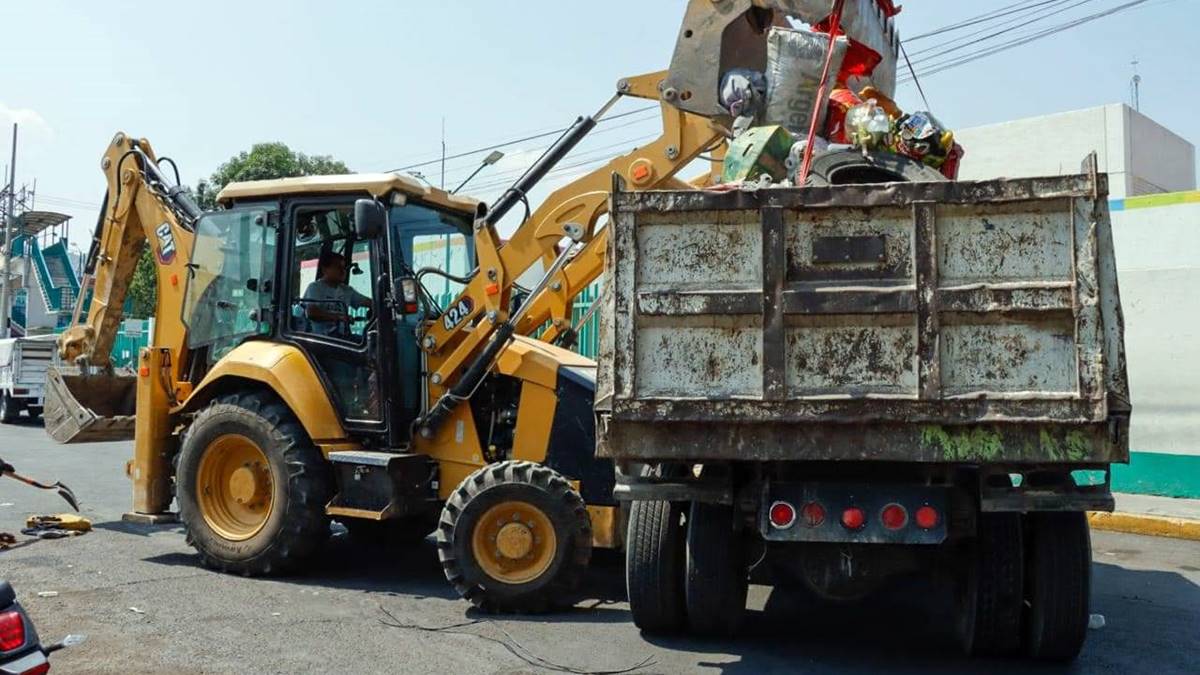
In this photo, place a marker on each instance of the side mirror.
(370, 218)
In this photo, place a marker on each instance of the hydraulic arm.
(86, 401)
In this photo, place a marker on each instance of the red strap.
(835, 24)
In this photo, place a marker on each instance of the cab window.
(435, 242)
(332, 275)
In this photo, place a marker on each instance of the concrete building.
(1140, 156)
(1156, 233)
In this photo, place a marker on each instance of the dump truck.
(23, 364)
(840, 385)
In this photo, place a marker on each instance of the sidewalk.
(1146, 514)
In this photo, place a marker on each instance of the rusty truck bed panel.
(984, 308)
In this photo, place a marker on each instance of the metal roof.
(32, 223)
(375, 184)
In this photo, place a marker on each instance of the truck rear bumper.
(990, 443)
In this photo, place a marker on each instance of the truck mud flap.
(89, 408)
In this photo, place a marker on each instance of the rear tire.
(295, 477)
(990, 593)
(716, 581)
(1058, 582)
(8, 409)
(654, 566)
(505, 563)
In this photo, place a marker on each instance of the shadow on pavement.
(25, 421)
(136, 529)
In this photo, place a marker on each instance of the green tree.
(143, 288)
(264, 161)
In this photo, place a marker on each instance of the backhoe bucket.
(83, 408)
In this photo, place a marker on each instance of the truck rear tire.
(515, 537)
(8, 409)
(716, 581)
(991, 596)
(252, 488)
(654, 566)
(1058, 583)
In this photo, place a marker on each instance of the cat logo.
(456, 314)
(166, 243)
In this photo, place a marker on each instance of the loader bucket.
(84, 408)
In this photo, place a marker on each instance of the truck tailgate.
(939, 322)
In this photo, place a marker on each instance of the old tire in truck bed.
(1058, 584)
(716, 581)
(654, 551)
(991, 596)
(844, 167)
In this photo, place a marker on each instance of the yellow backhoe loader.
(299, 370)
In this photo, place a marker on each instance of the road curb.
(1144, 523)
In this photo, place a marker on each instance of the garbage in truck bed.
(773, 114)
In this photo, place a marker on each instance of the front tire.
(515, 537)
(252, 487)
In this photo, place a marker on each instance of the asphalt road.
(146, 605)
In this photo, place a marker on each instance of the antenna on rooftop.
(1134, 87)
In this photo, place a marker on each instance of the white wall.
(1153, 159)
(1158, 159)
(1158, 269)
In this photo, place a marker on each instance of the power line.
(1024, 20)
(990, 36)
(506, 144)
(939, 67)
(465, 167)
(502, 179)
(981, 18)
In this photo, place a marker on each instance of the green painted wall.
(1155, 473)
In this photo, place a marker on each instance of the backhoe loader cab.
(289, 374)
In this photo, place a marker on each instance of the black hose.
(174, 167)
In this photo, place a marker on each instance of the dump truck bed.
(924, 322)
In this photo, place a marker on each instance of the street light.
(491, 159)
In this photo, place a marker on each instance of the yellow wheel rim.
(234, 487)
(514, 542)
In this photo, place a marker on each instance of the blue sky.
(371, 82)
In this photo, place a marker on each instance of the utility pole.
(9, 219)
(443, 153)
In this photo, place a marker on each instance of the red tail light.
(40, 669)
(853, 518)
(813, 514)
(12, 631)
(893, 517)
(782, 515)
(926, 517)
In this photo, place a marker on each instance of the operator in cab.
(329, 297)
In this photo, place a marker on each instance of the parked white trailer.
(23, 364)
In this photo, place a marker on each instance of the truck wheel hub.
(515, 541)
(245, 485)
(233, 487)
